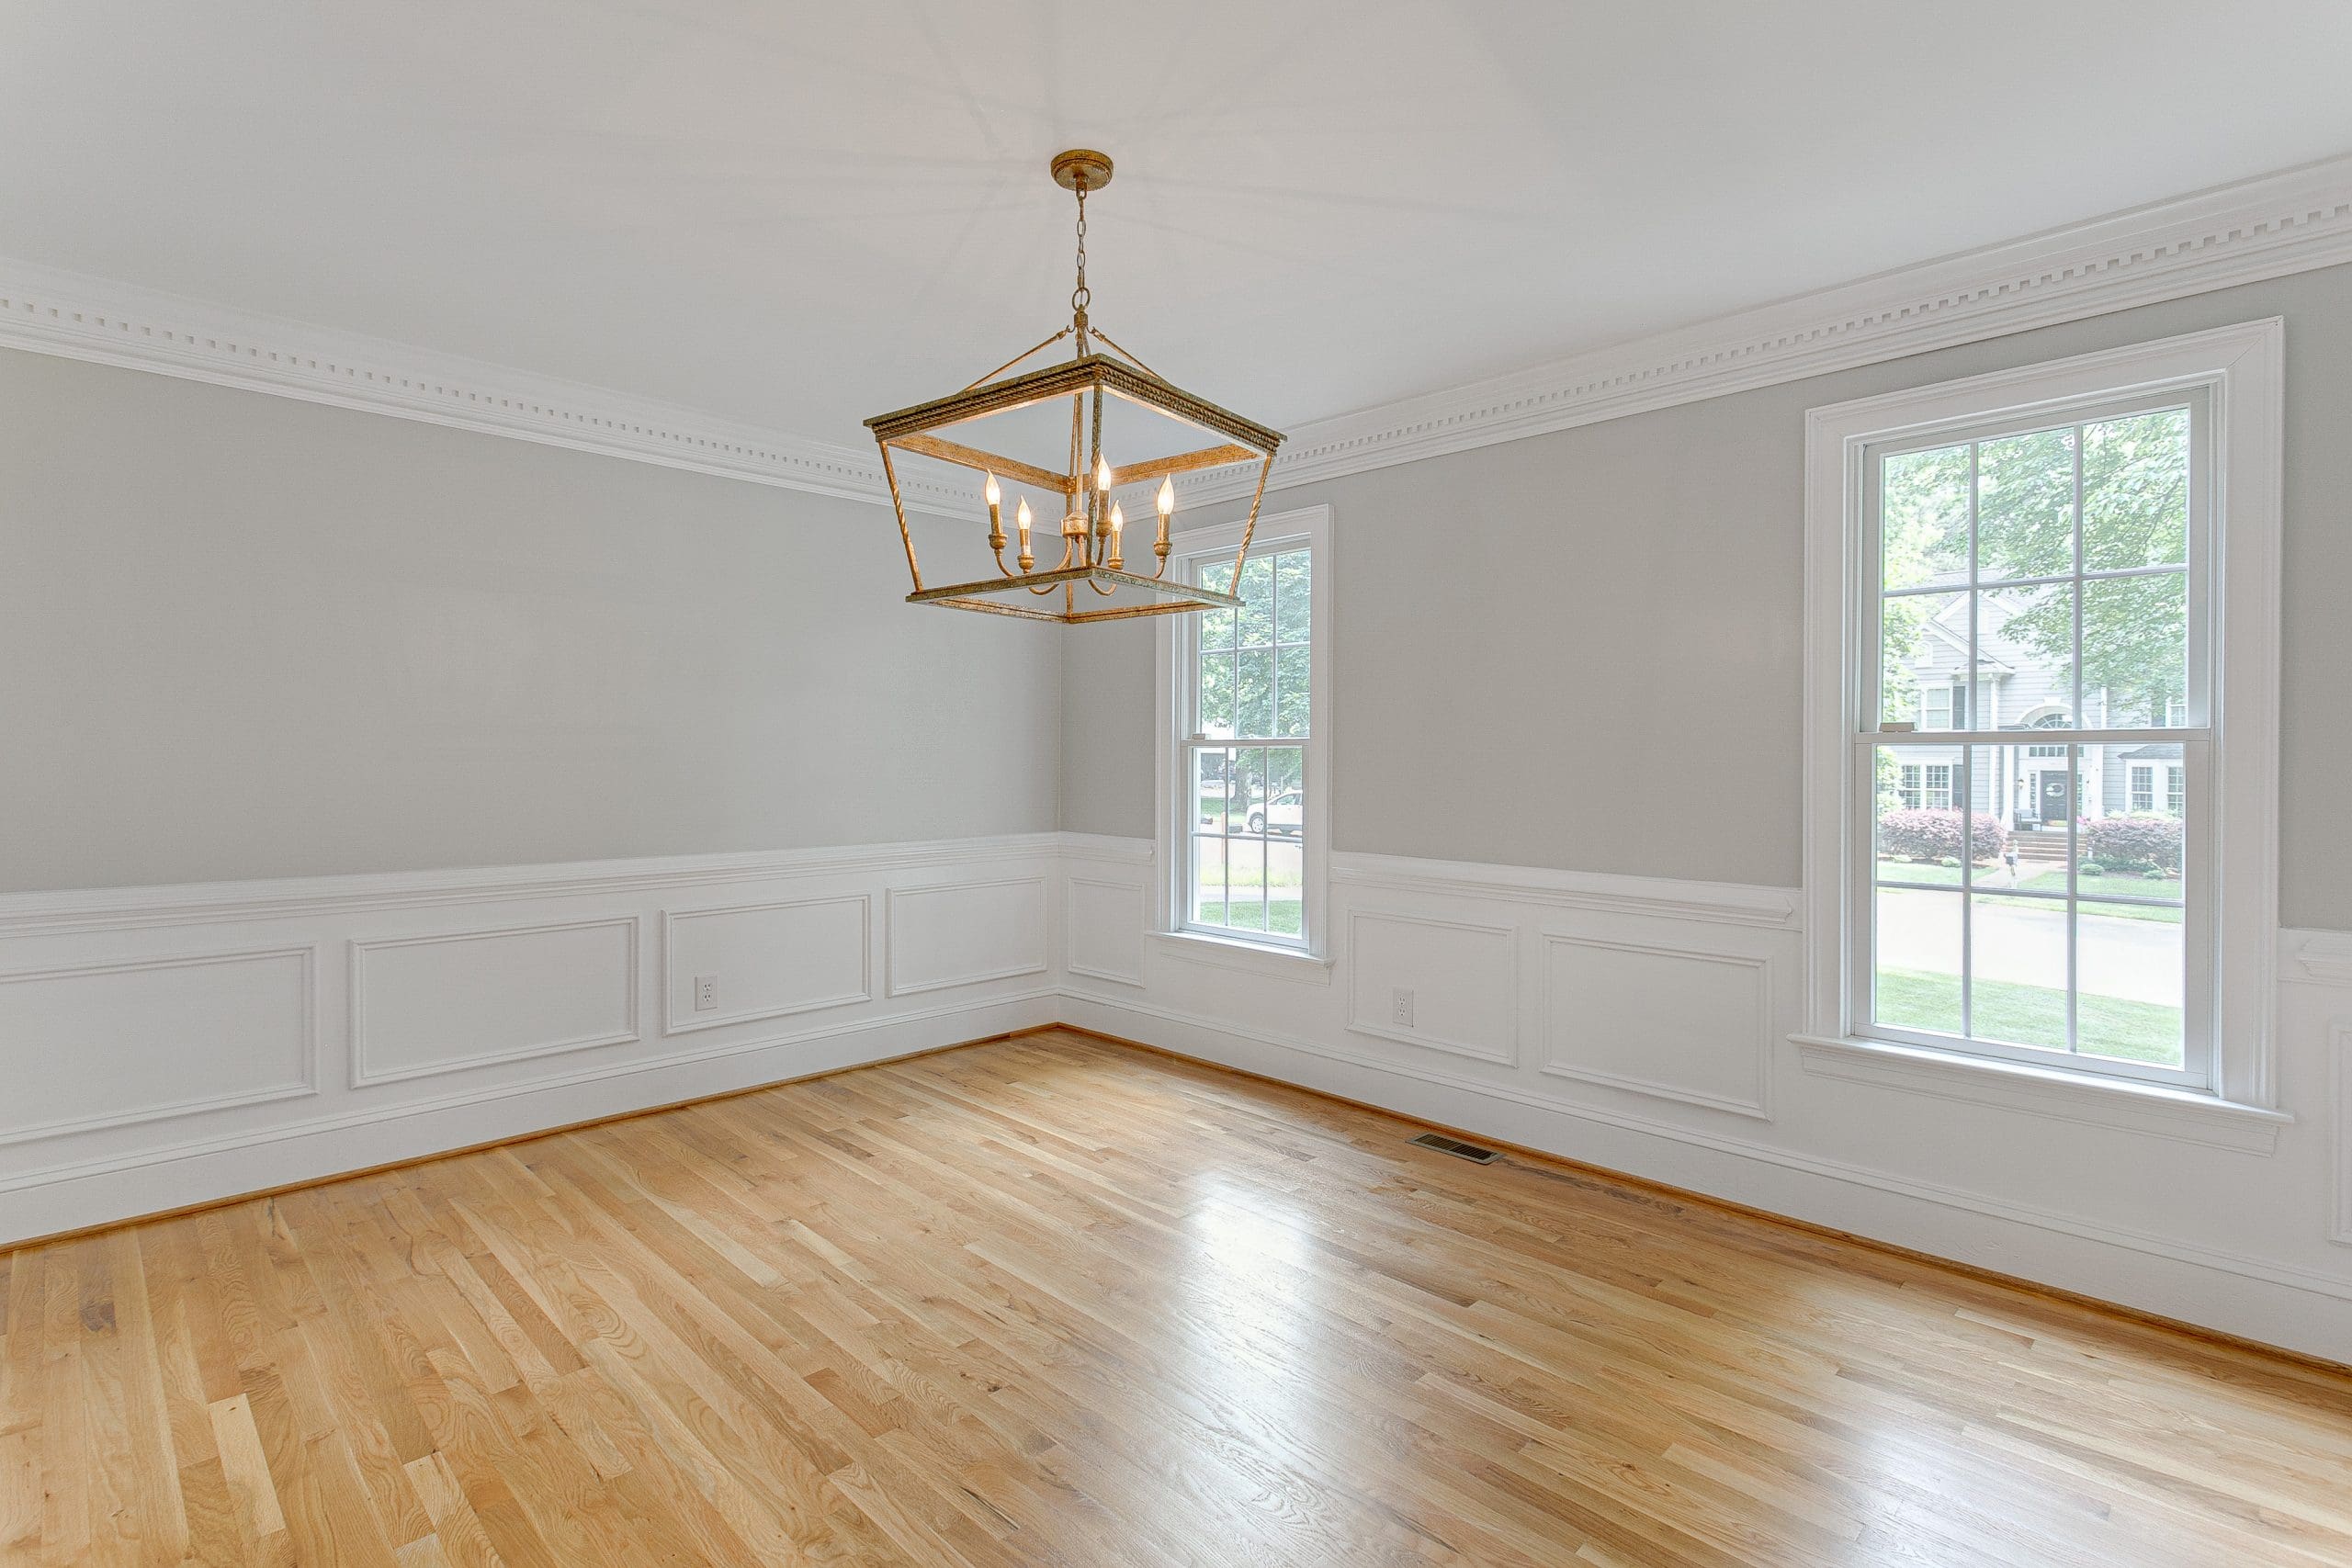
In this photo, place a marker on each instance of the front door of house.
(2053, 797)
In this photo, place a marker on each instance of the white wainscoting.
(1105, 918)
(960, 934)
(167, 1046)
(1675, 1021)
(1658, 1014)
(426, 1006)
(1462, 979)
(770, 960)
(89, 1047)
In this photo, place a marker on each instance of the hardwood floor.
(1051, 1302)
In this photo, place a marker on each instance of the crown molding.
(2264, 228)
(76, 316)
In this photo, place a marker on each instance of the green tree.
(2134, 513)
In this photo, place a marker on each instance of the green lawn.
(1991, 881)
(2032, 1015)
(1251, 915)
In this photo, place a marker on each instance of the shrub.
(2135, 843)
(2152, 875)
(1933, 834)
(2091, 868)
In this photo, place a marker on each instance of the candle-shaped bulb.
(1021, 517)
(1167, 496)
(991, 491)
(1117, 523)
(1102, 474)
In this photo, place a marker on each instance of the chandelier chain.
(1081, 296)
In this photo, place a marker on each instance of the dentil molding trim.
(77, 316)
(2268, 227)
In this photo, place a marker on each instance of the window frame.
(1307, 527)
(2236, 373)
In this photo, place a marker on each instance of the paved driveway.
(2139, 960)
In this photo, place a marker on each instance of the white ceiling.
(798, 215)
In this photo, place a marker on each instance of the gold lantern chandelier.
(1092, 566)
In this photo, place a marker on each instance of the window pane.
(2135, 647)
(2025, 658)
(1293, 606)
(1245, 880)
(1920, 826)
(1246, 814)
(1209, 881)
(2025, 506)
(1216, 716)
(1923, 642)
(2130, 972)
(1255, 623)
(1216, 626)
(1917, 946)
(1923, 518)
(1293, 697)
(1253, 677)
(2136, 491)
(1286, 887)
(2017, 993)
(1209, 775)
(1285, 776)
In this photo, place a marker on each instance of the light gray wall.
(243, 636)
(1583, 650)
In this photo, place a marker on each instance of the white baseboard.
(2301, 1310)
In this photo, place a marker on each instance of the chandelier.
(1080, 498)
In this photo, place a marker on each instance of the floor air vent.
(1456, 1147)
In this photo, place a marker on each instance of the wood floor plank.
(1048, 1303)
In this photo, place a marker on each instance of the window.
(2103, 914)
(1248, 823)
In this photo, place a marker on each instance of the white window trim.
(2242, 368)
(1310, 526)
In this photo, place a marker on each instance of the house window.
(2077, 526)
(1944, 706)
(1248, 826)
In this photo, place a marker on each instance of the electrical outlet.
(1400, 1008)
(705, 993)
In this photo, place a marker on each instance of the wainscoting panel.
(165, 1046)
(426, 1005)
(1439, 984)
(89, 1046)
(1692, 1024)
(766, 960)
(1105, 918)
(960, 934)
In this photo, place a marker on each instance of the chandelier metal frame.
(1093, 524)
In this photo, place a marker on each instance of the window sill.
(1291, 963)
(2040, 1091)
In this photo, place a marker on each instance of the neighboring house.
(2020, 781)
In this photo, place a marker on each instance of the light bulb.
(1102, 474)
(1167, 496)
(1022, 516)
(992, 492)
(1117, 521)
